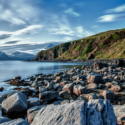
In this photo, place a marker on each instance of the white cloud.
(72, 12)
(117, 9)
(94, 26)
(111, 17)
(18, 12)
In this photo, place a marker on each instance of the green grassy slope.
(104, 45)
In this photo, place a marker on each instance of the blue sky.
(28, 23)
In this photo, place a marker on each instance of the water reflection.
(9, 69)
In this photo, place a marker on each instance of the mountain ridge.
(104, 45)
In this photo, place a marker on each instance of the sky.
(27, 25)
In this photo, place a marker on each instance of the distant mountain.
(21, 56)
(3, 56)
(50, 46)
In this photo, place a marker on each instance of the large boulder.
(95, 112)
(48, 95)
(16, 122)
(94, 78)
(15, 105)
(67, 114)
(109, 95)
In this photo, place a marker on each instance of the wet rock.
(25, 92)
(64, 94)
(69, 88)
(17, 78)
(4, 119)
(120, 95)
(115, 88)
(57, 102)
(47, 96)
(62, 114)
(94, 78)
(78, 90)
(97, 65)
(15, 105)
(101, 86)
(109, 95)
(33, 103)
(119, 62)
(63, 83)
(31, 113)
(49, 86)
(92, 86)
(81, 98)
(108, 84)
(56, 86)
(1, 89)
(16, 122)
(1, 99)
(18, 83)
(42, 89)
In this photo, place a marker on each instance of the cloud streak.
(28, 30)
(111, 17)
(117, 9)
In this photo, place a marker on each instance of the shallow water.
(10, 69)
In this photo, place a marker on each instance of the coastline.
(98, 81)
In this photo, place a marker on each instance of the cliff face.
(104, 45)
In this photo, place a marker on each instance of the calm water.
(10, 69)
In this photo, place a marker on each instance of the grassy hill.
(104, 45)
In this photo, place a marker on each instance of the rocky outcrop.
(95, 112)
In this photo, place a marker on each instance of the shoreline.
(98, 81)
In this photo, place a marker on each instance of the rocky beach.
(85, 95)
